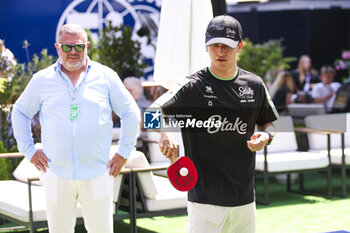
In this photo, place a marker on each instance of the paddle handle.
(173, 160)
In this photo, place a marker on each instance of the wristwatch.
(270, 138)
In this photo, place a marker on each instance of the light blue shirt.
(77, 149)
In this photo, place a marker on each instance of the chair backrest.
(136, 160)
(284, 139)
(338, 121)
(302, 110)
(26, 169)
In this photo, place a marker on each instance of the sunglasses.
(68, 47)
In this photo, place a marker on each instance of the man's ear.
(240, 45)
(206, 48)
(57, 46)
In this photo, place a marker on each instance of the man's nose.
(73, 50)
(221, 50)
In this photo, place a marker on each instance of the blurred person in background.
(134, 86)
(281, 91)
(305, 76)
(342, 99)
(324, 92)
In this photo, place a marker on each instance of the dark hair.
(327, 69)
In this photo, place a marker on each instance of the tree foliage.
(13, 88)
(261, 58)
(5, 165)
(93, 52)
(117, 50)
(23, 73)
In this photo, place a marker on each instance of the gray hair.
(73, 29)
(134, 84)
(327, 69)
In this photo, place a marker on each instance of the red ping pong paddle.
(182, 174)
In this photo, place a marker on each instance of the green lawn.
(287, 212)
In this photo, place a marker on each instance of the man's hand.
(116, 164)
(258, 141)
(168, 146)
(40, 160)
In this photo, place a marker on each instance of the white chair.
(339, 125)
(157, 191)
(303, 110)
(154, 195)
(22, 201)
(282, 157)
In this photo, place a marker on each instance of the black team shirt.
(219, 151)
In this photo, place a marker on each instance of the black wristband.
(270, 138)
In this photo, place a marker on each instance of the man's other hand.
(116, 164)
(258, 141)
(40, 160)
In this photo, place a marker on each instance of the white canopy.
(181, 40)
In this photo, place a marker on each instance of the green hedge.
(5, 165)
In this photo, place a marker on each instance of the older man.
(75, 98)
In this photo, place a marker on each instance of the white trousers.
(203, 218)
(94, 196)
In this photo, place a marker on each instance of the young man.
(75, 98)
(232, 102)
(324, 92)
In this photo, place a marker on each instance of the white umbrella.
(181, 40)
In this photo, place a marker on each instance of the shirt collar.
(222, 79)
(58, 65)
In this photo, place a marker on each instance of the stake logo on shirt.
(239, 126)
(246, 94)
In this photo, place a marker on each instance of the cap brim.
(222, 40)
